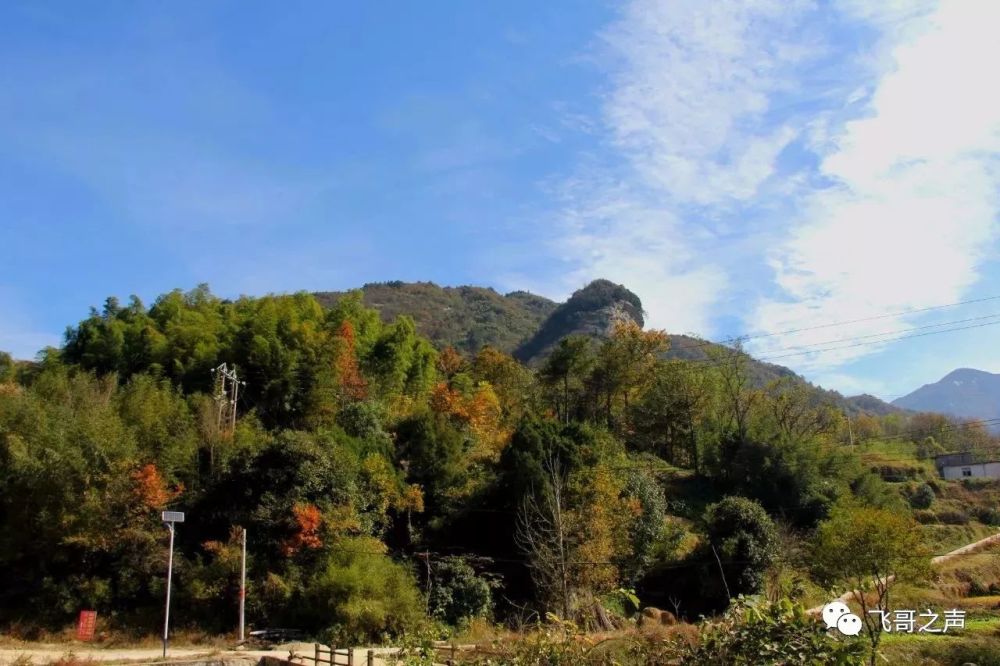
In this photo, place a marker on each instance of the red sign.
(85, 626)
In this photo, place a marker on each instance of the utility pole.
(227, 392)
(243, 584)
(426, 557)
(850, 428)
(170, 518)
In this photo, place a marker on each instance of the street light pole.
(170, 518)
(243, 584)
(170, 574)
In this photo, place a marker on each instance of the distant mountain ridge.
(528, 326)
(966, 393)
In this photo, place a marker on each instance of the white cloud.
(851, 385)
(692, 91)
(686, 119)
(912, 209)
(612, 233)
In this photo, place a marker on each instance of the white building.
(952, 466)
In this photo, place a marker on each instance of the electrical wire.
(759, 336)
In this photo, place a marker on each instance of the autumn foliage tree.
(623, 364)
(352, 384)
(306, 535)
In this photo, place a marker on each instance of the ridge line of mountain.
(527, 325)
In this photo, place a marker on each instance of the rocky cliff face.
(589, 312)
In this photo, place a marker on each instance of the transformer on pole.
(227, 391)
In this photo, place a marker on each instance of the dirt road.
(40, 653)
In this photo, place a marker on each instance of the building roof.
(963, 459)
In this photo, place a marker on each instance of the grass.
(977, 643)
(893, 448)
(942, 539)
(112, 639)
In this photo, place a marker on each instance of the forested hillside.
(528, 326)
(466, 318)
(384, 480)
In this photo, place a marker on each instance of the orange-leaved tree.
(349, 378)
(308, 521)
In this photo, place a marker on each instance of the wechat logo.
(838, 616)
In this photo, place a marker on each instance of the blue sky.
(746, 167)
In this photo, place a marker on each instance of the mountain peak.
(965, 393)
(602, 293)
(590, 312)
(968, 374)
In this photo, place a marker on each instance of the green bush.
(760, 633)
(458, 593)
(922, 497)
(928, 448)
(360, 595)
(890, 472)
(745, 540)
(952, 517)
(987, 515)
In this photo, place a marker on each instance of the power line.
(895, 332)
(714, 362)
(896, 339)
(924, 431)
(904, 313)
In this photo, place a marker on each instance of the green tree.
(737, 395)
(866, 550)
(743, 540)
(401, 362)
(624, 362)
(7, 368)
(795, 412)
(647, 530)
(536, 441)
(75, 521)
(792, 478)
(434, 453)
(671, 410)
(513, 383)
(565, 370)
(160, 420)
